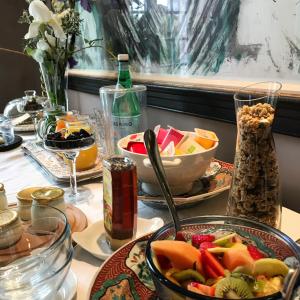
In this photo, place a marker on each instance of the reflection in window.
(196, 37)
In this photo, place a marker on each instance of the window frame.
(205, 98)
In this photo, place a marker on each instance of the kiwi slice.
(233, 288)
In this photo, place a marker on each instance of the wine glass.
(33, 106)
(76, 136)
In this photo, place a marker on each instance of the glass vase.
(55, 82)
(254, 190)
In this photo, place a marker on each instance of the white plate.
(69, 288)
(93, 240)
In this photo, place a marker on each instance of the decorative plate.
(24, 128)
(216, 180)
(125, 274)
(55, 165)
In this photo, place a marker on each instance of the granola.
(255, 188)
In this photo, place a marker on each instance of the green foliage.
(25, 18)
(71, 23)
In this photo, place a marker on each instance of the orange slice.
(205, 138)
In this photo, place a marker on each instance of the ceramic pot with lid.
(50, 196)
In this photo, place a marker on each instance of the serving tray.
(55, 166)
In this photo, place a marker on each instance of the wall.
(17, 72)
(288, 148)
(245, 40)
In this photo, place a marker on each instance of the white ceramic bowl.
(181, 170)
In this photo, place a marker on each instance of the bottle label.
(124, 126)
(107, 199)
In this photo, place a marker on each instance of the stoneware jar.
(3, 199)
(51, 196)
(25, 202)
(10, 228)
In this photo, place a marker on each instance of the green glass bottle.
(126, 108)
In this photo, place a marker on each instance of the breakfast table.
(19, 171)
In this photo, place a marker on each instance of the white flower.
(40, 11)
(33, 30)
(42, 45)
(63, 13)
(55, 23)
(41, 14)
(51, 39)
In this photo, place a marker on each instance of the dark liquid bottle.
(119, 200)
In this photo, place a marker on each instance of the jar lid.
(7, 218)
(1, 187)
(25, 194)
(47, 194)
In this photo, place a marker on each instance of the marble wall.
(239, 39)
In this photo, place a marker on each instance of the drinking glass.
(70, 148)
(6, 130)
(122, 112)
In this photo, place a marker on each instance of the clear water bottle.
(126, 108)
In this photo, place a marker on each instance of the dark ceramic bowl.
(268, 239)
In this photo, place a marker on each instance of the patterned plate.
(125, 274)
(216, 180)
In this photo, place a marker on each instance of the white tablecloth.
(18, 171)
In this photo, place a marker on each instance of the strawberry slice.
(163, 262)
(180, 236)
(254, 252)
(198, 239)
(201, 289)
(209, 260)
(207, 245)
(209, 272)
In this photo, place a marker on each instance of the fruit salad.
(222, 265)
(172, 141)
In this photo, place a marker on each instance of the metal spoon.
(154, 156)
(290, 281)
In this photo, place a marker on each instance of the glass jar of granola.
(254, 191)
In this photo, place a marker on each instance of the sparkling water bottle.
(126, 108)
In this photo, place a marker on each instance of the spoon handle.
(154, 156)
(290, 283)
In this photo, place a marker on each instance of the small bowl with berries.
(62, 141)
(74, 137)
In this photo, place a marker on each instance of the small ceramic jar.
(25, 202)
(3, 199)
(51, 196)
(43, 218)
(10, 228)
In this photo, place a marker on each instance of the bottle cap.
(123, 57)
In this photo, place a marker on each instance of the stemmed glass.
(32, 105)
(79, 136)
